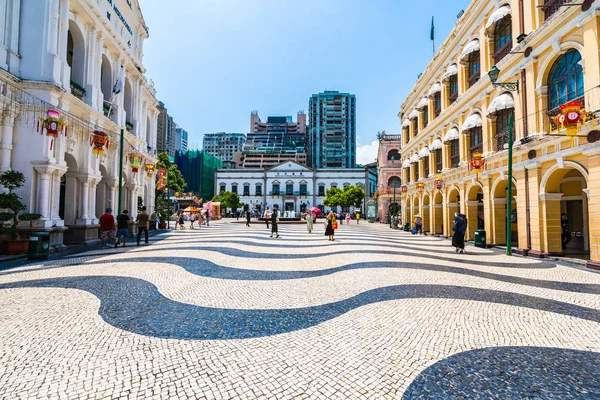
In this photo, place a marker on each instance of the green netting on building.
(198, 170)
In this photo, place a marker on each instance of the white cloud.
(367, 153)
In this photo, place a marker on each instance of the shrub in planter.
(9, 219)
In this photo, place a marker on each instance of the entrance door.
(576, 225)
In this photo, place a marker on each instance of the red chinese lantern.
(136, 161)
(570, 117)
(161, 180)
(477, 163)
(404, 188)
(53, 125)
(439, 183)
(100, 142)
(150, 168)
(420, 186)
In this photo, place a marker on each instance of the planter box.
(12, 247)
(162, 225)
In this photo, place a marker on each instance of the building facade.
(81, 63)
(181, 139)
(273, 142)
(454, 115)
(290, 186)
(198, 169)
(223, 145)
(332, 131)
(389, 180)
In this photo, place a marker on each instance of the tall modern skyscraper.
(165, 131)
(332, 133)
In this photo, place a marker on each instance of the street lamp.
(513, 87)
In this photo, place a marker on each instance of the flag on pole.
(120, 83)
(432, 35)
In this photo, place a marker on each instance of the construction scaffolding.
(198, 170)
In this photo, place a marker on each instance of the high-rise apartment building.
(181, 139)
(223, 145)
(165, 131)
(332, 133)
(273, 142)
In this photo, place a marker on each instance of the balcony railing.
(550, 7)
(77, 90)
(294, 193)
(502, 52)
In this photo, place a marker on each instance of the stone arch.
(76, 53)
(393, 154)
(550, 181)
(128, 101)
(549, 61)
(426, 212)
(106, 78)
(471, 193)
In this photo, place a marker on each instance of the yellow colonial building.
(547, 54)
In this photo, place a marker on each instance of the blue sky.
(214, 61)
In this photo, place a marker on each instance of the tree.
(9, 201)
(353, 196)
(228, 200)
(176, 181)
(333, 197)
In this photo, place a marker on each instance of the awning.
(414, 159)
(435, 89)
(497, 16)
(424, 152)
(423, 103)
(414, 114)
(451, 71)
(471, 47)
(406, 164)
(406, 123)
(436, 145)
(474, 121)
(502, 102)
(451, 135)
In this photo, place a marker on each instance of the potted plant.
(9, 219)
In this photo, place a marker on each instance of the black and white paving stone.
(227, 312)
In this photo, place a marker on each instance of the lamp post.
(512, 87)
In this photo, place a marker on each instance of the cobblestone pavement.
(227, 312)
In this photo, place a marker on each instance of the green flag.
(432, 35)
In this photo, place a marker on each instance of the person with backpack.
(459, 226)
(143, 222)
(122, 227)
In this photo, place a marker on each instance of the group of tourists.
(180, 217)
(112, 235)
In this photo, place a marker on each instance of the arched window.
(394, 182)
(437, 104)
(393, 155)
(453, 89)
(565, 81)
(502, 38)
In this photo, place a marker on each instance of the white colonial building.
(288, 186)
(83, 59)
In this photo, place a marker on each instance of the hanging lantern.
(477, 163)
(439, 183)
(404, 189)
(136, 161)
(53, 125)
(572, 116)
(420, 186)
(99, 141)
(161, 179)
(150, 168)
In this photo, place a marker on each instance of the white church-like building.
(71, 77)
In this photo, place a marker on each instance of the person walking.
(357, 218)
(181, 216)
(418, 224)
(122, 227)
(566, 232)
(192, 220)
(309, 221)
(329, 230)
(207, 217)
(275, 222)
(267, 216)
(348, 218)
(143, 220)
(107, 228)
(248, 217)
(175, 217)
(460, 228)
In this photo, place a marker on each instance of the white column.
(85, 196)
(92, 203)
(61, 39)
(55, 201)
(111, 195)
(6, 144)
(90, 73)
(43, 192)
